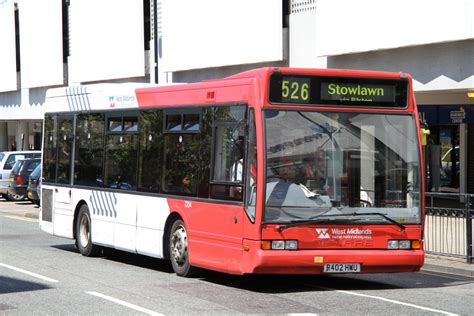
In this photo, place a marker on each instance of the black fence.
(449, 225)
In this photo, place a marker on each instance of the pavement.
(433, 263)
(448, 265)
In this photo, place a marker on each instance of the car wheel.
(84, 233)
(16, 197)
(179, 253)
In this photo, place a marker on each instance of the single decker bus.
(269, 171)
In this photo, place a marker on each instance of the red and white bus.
(273, 170)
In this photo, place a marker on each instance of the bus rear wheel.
(179, 253)
(84, 234)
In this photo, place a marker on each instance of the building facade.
(51, 43)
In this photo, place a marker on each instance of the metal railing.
(449, 225)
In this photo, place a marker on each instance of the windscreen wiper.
(317, 219)
(313, 219)
(391, 220)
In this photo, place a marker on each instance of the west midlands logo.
(323, 233)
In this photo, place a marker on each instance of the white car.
(7, 161)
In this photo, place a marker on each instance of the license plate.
(342, 267)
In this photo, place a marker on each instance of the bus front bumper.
(261, 261)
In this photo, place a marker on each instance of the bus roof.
(93, 97)
(250, 86)
(97, 88)
(265, 71)
(246, 86)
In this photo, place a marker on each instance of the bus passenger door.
(218, 226)
(63, 209)
(63, 213)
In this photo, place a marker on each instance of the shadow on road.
(12, 285)
(348, 282)
(274, 284)
(146, 262)
(141, 261)
(27, 203)
(66, 247)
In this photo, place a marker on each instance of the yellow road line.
(21, 218)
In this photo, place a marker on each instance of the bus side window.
(228, 154)
(181, 160)
(89, 146)
(121, 154)
(151, 151)
(121, 161)
(57, 151)
(251, 168)
(182, 148)
(49, 149)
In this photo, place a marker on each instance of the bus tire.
(84, 233)
(178, 247)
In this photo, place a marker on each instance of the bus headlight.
(280, 245)
(392, 244)
(402, 244)
(291, 244)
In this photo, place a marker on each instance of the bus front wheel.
(83, 233)
(178, 246)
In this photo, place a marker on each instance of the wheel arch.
(76, 212)
(166, 232)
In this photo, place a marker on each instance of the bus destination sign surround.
(357, 92)
(295, 89)
(338, 91)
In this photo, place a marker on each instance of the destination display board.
(342, 91)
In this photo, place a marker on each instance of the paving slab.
(449, 265)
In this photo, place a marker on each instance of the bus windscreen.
(338, 91)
